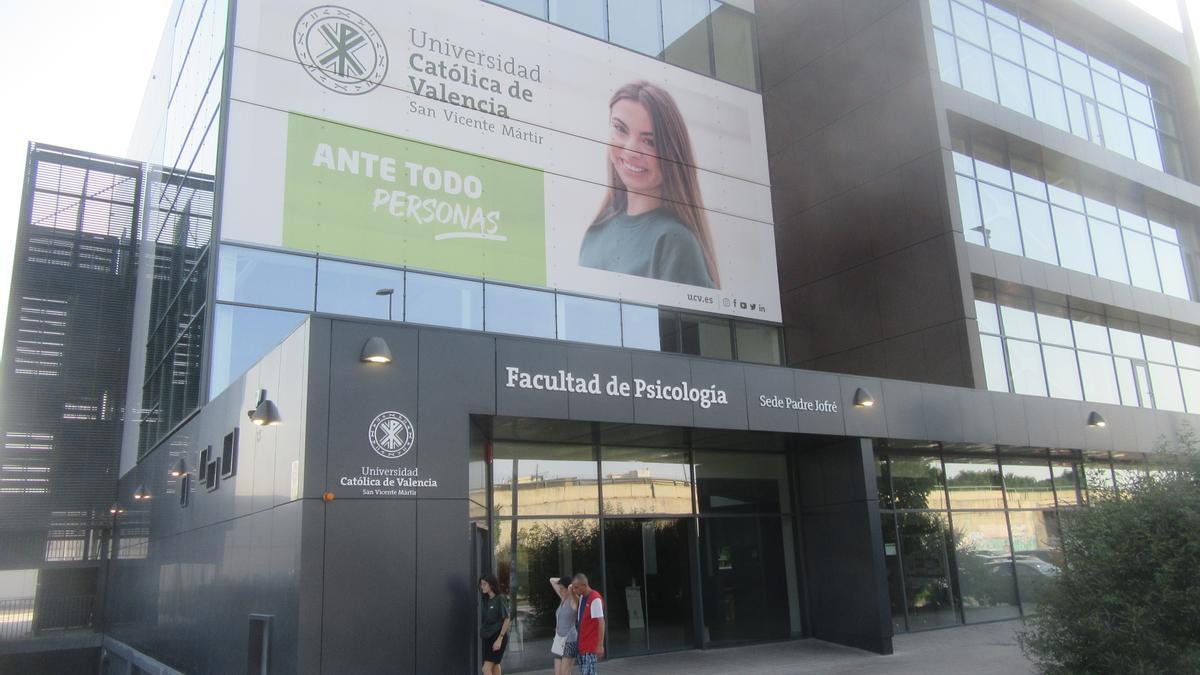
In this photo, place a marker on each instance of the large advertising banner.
(463, 137)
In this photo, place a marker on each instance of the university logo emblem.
(391, 434)
(341, 50)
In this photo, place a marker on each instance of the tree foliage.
(1128, 599)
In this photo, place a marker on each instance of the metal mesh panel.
(65, 364)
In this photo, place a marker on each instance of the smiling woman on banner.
(652, 221)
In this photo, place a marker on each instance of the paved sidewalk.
(988, 649)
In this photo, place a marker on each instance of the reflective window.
(646, 480)
(531, 7)
(917, 482)
(711, 37)
(1142, 269)
(741, 482)
(1025, 364)
(589, 320)
(993, 363)
(705, 336)
(345, 288)
(685, 32)
(1037, 234)
(585, 16)
(1007, 210)
(1101, 354)
(999, 219)
(926, 570)
(974, 483)
(518, 311)
(734, 50)
(1037, 553)
(1099, 378)
(1068, 483)
(1028, 482)
(1109, 250)
(985, 566)
(975, 65)
(757, 343)
(550, 479)
(631, 25)
(1098, 476)
(242, 336)
(1062, 372)
(1054, 82)
(442, 301)
(266, 278)
(640, 327)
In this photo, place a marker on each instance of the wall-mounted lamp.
(116, 509)
(863, 398)
(141, 494)
(180, 469)
(376, 351)
(266, 413)
(1095, 420)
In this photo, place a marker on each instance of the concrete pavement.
(986, 649)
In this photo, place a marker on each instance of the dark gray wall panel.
(316, 435)
(672, 371)
(773, 383)
(370, 613)
(843, 549)
(583, 361)
(1009, 412)
(361, 391)
(904, 410)
(532, 357)
(729, 377)
(445, 592)
(864, 421)
(821, 387)
(456, 378)
(978, 416)
(942, 419)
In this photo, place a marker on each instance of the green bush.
(1128, 599)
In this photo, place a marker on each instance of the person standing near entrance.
(566, 636)
(590, 624)
(493, 624)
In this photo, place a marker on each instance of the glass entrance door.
(649, 601)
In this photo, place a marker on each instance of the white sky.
(77, 69)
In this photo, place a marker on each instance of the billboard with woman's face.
(463, 137)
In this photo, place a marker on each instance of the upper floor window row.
(1045, 209)
(711, 37)
(1006, 58)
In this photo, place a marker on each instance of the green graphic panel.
(366, 195)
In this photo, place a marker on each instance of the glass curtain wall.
(1014, 59)
(712, 37)
(1024, 202)
(263, 295)
(1045, 344)
(971, 534)
(178, 211)
(689, 545)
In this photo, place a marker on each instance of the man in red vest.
(590, 624)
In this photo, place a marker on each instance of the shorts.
(494, 655)
(570, 650)
(587, 664)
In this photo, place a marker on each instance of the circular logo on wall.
(341, 50)
(391, 434)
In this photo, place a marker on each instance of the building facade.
(687, 295)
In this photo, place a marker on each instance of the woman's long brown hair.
(680, 184)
